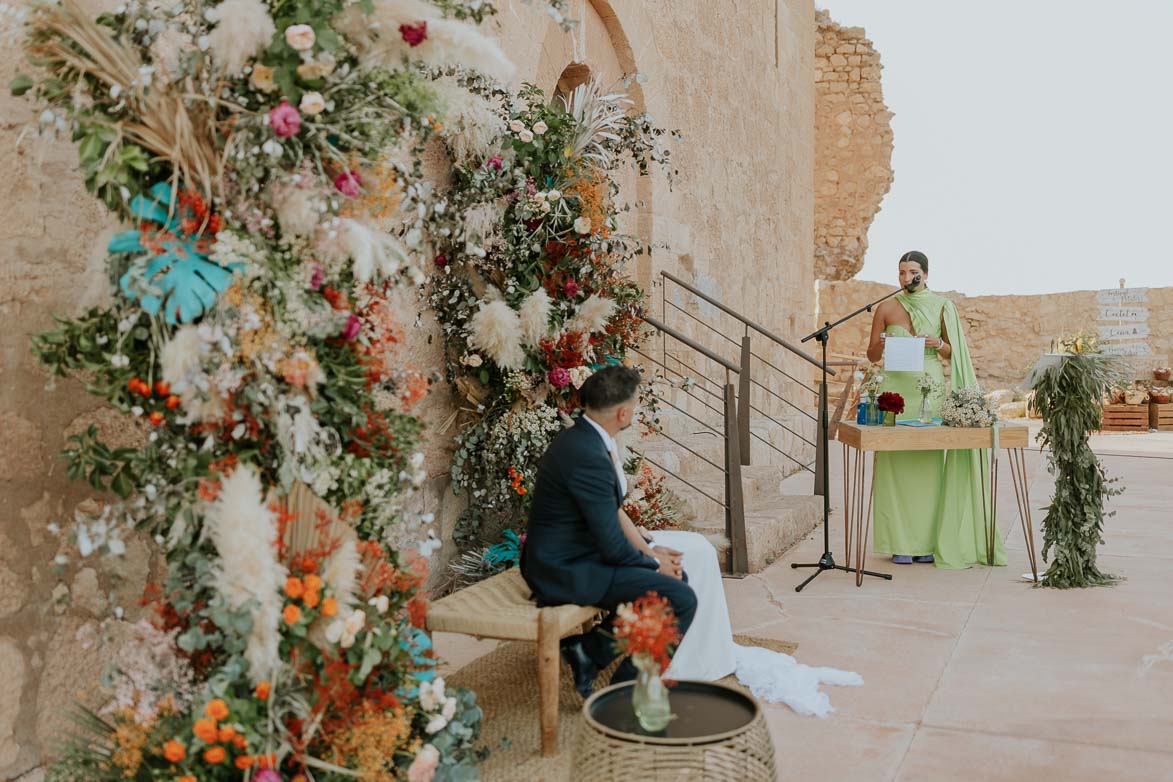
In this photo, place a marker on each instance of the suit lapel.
(601, 447)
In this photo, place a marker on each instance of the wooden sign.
(1120, 296)
(1127, 349)
(1124, 313)
(1127, 331)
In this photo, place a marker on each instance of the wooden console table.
(859, 440)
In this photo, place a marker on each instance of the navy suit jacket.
(574, 543)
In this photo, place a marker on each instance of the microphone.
(910, 287)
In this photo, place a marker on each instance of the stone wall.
(853, 147)
(739, 223)
(1005, 333)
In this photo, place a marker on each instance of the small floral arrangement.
(968, 407)
(647, 628)
(891, 402)
(652, 505)
(872, 381)
(927, 384)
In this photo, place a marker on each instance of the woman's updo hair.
(917, 257)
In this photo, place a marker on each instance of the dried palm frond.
(160, 118)
(598, 118)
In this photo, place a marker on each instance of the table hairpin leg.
(857, 520)
(848, 496)
(992, 527)
(1022, 496)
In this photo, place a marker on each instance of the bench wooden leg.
(549, 667)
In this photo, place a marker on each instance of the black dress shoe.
(581, 666)
(624, 672)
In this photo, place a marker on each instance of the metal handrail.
(667, 368)
(690, 485)
(738, 316)
(783, 399)
(699, 348)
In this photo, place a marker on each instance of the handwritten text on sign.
(1124, 313)
(1130, 331)
(1127, 349)
(1122, 296)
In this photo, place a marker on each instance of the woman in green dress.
(928, 505)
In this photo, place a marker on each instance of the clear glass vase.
(874, 418)
(650, 696)
(926, 410)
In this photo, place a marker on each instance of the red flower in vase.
(647, 626)
(891, 402)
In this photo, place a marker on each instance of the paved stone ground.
(974, 675)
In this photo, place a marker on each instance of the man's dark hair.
(916, 256)
(609, 387)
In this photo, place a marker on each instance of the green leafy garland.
(1068, 398)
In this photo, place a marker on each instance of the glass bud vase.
(650, 696)
(889, 418)
(873, 412)
(926, 410)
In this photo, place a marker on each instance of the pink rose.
(441, 260)
(571, 289)
(285, 120)
(495, 162)
(423, 768)
(266, 775)
(348, 183)
(353, 327)
(414, 34)
(559, 377)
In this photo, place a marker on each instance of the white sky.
(1034, 141)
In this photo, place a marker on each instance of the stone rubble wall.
(739, 222)
(853, 147)
(1005, 334)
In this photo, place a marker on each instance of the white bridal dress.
(708, 653)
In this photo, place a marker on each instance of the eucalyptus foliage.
(1068, 398)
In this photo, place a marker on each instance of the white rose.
(300, 36)
(525, 136)
(473, 360)
(449, 709)
(540, 128)
(334, 632)
(436, 724)
(582, 225)
(355, 622)
(517, 126)
(312, 103)
(553, 195)
(381, 603)
(347, 641)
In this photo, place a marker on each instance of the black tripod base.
(827, 562)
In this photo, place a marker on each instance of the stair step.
(770, 533)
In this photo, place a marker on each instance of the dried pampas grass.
(535, 317)
(593, 315)
(448, 42)
(244, 531)
(372, 251)
(473, 125)
(496, 329)
(244, 29)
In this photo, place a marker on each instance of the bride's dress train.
(708, 653)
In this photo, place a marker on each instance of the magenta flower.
(495, 162)
(559, 377)
(571, 289)
(348, 183)
(414, 34)
(316, 278)
(353, 327)
(441, 260)
(266, 775)
(285, 120)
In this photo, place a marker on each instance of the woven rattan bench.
(502, 607)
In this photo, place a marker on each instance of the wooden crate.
(1161, 416)
(1125, 418)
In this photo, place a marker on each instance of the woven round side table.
(717, 733)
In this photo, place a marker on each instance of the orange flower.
(162, 387)
(226, 734)
(173, 402)
(329, 607)
(311, 599)
(243, 762)
(291, 614)
(263, 690)
(174, 751)
(293, 587)
(313, 582)
(267, 761)
(216, 709)
(215, 755)
(155, 418)
(205, 730)
(186, 778)
(240, 742)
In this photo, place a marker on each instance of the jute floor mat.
(506, 687)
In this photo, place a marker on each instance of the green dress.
(931, 502)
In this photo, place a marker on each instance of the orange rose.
(215, 755)
(174, 751)
(226, 734)
(291, 614)
(293, 587)
(243, 762)
(216, 709)
(263, 690)
(267, 761)
(240, 742)
(186, 778)
(205, 730)
(311, 599)
(329, 607)
(313, 582)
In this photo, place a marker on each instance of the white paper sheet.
(904, 354)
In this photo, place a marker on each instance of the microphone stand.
(827, 561)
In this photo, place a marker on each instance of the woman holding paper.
(928, 504)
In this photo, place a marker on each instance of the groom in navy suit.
(576, 550)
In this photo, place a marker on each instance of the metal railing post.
(734, 498)
(743, 400)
